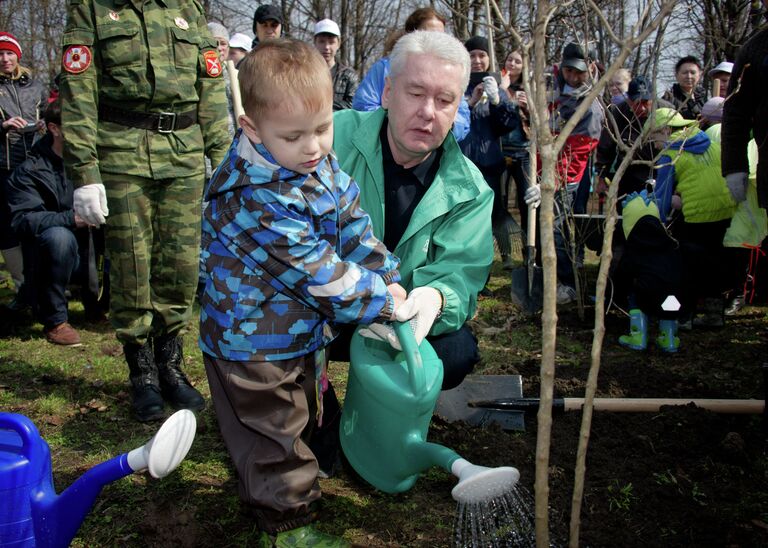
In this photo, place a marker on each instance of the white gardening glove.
(422, 307)
(491, 89)
(91, 204)
(532, 196)
(737, 185)
(381, 332)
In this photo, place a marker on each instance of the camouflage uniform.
(144, 59)
(129, 60)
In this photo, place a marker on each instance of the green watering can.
(387, 410)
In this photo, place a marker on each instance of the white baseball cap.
(725, 66)
(326, 26)
(241, 41)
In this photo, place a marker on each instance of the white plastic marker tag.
(670, 304)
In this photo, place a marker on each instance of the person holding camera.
(21, 99)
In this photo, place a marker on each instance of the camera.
(29, 128)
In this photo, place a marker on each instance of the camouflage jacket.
(141, 56)
(283, 254)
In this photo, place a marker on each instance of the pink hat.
(8, 42)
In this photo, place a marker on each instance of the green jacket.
(142, 56)
(447, 244)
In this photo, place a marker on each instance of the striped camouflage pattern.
(283, 254)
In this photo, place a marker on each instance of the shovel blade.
(527, 291)
(452, 405)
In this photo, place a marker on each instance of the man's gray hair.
(439, 44)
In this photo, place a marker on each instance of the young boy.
(286, 250)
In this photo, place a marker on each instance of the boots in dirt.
(667, 340)
(638, 331)
(145, 385)
(174, 384)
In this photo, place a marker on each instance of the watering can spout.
(57, 518)
(480, 483)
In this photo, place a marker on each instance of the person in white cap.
(239, 46)
(327, 41)
(722, 72)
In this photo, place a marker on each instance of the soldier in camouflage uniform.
(142, 103)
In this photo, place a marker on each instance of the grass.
(79, 400)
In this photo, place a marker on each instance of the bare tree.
(537, 49)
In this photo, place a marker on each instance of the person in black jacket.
(43, 218)
(687, 95)
(22, 97)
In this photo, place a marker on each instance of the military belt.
(161, 122)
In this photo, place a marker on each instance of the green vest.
(701, 186)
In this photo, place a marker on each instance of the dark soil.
(679, 477)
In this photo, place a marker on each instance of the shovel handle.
(626, 405)
(531, 235)
(412, 355)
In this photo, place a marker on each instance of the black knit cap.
(477, 42)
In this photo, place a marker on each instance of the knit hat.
(218, 30)
(477, 42)
(712, 111)
(8, 42)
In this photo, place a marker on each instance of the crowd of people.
(330, 202)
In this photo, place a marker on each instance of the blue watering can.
(31, 514)
(388, 406)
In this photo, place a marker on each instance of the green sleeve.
(212, 110)
(79, 97)
(459, 266)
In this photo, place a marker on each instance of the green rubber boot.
(638, 331)
(667, 340)
(308, 536)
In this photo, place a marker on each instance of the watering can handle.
(412, 357)
(24, 427)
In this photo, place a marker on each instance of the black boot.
(173, 382)
(147, 402)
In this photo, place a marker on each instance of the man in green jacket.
(143, 102)
(427, 201)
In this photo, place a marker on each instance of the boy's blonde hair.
(283, 70)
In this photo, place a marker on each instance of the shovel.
(527, 283)
(625, 405)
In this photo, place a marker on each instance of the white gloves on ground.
(422, 307)
(737, 186)
(532, 196)
(90, 203)
(491, 89)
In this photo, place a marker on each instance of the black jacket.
(39, 194)
(688, 107)
(651, 267)
(747, 111)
